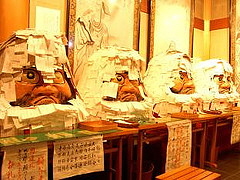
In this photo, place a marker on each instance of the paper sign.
(51, 15)
(110, 89)
(179, 144)
(45, 64)
(78, 156)
(235, 134)
(25, 162)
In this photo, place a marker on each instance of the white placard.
(47, 19)
(179, 144)
(78, 156)
(235, 134)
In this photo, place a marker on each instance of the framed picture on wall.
(94, 24)
(235, 41)
(171, 25)
(48, 15)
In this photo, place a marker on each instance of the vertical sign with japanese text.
(78, 156)
(25, 162)
(179, 144)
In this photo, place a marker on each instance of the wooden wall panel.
(220, 9)
(145, 6)
(199, 9)
(198, 23)
(219, 24)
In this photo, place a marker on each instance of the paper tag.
(110, 89)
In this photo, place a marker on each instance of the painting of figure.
(98, 24)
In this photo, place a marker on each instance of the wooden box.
(98, 125)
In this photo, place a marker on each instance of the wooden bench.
(188, 172)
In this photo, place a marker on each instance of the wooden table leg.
(139, 155)
(194, 144)
(119, 161)
(202, 155)
(110, 162)
(130, 157)
(213, 144)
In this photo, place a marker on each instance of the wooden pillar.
(14, 16)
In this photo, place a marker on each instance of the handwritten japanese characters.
(78, 156)
(235, 134)
(179, 144)
(25, 162)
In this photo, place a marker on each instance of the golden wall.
(14, 15)
(20, 14)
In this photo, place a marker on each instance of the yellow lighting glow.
(112, 1)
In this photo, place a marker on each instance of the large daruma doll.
(168, 81)
(214, 83)
(111, 84)
(37, 88)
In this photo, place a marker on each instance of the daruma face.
(31, 89)
(127, 89)
(183, 84)
(224, 83)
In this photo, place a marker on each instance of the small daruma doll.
(37, 88)
(111, 84)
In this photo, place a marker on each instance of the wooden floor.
(228, 165)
